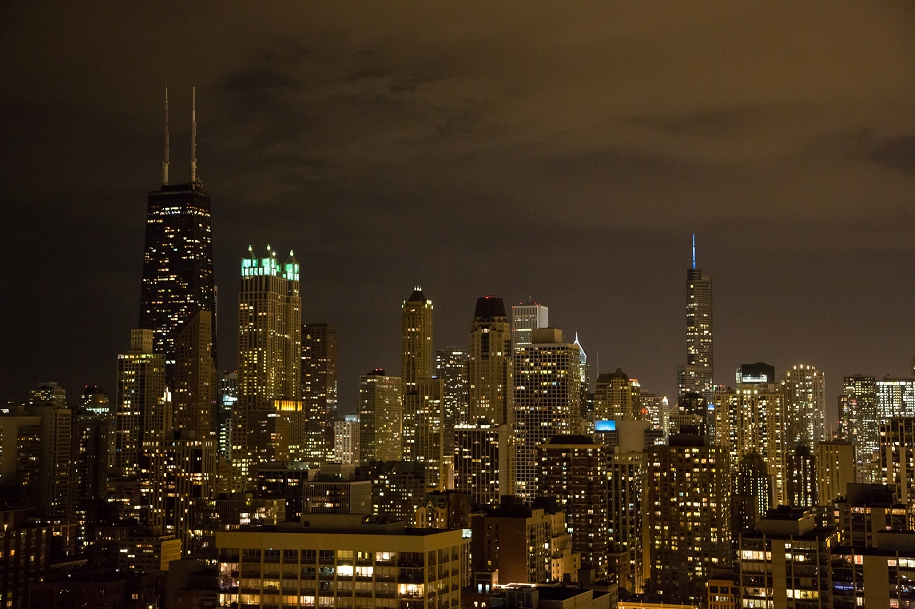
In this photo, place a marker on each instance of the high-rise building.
(573, 470)
(142, 410)
(228, 397)
(416, 385)
(751, 495)
(835, 462)
(897, 457)
(751, 419)
(895, 397)
(861, 424)
(626, 471)
(319, 389)
(451, 367)
(490, 372)
(49, 393)
(178, 257)
(95, 400)
(786, 562)
(380, 417)
(526, 318)
(656, 409)
(484, 462)
(801, 471)
(541, 532)
(805, 405)
(616, 398)
(547, 400)
(687, 531)
(696, 376)
(346, 440)
(416, 340)
(760, 372)
(195, 381)
(268, 420)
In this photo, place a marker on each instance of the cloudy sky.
(554, 151)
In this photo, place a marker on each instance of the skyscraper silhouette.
(696, 376)
(178, 257)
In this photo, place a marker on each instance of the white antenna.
(165, 160)
(194, 135)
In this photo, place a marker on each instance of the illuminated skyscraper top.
(697, 375)
(178, 257)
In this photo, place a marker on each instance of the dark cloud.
(897, 153)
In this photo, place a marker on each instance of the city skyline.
(373, 148)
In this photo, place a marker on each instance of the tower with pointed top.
(177, 258)
(696, 376)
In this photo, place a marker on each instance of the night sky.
(539, 149)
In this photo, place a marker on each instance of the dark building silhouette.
(177, 258)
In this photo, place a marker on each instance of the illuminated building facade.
(805, 405)
(346, 440)
(835, 465)
(451, 367)
(687, 529)
(268, 419)
(573, 470)
(526, 318)
(343, 564)
(547, 400)
(897, 457)
(319, 389)
(539, 532)
(416, 340)
(801, 468)
(484, 462)
(751, 419)
(895, 397)
(177, 264)
(142, 405)
(490, 372)
(861, 424)
(380, 418)
(617, 398)
(786, 562)
(696, 376)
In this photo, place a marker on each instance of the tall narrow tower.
(269, 419)
(416, 361)
(696, 376)
(177, 259)
(490, 364)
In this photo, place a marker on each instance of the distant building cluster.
(500, 473)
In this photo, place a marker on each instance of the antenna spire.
(194, 135)
(165, 159)
(694, 250)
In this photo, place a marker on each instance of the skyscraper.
(573, 470)
(860, 423)
(319, 389)
(616, 398)
(688, 515)
(269, 420)
(142, 411)
(547, 400)
(380, 417)
(178, 257)
(805, 405)
(696, 376)
(526, 318)
(416, 340)
(490, 364)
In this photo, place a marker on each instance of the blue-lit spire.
(694, 250)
